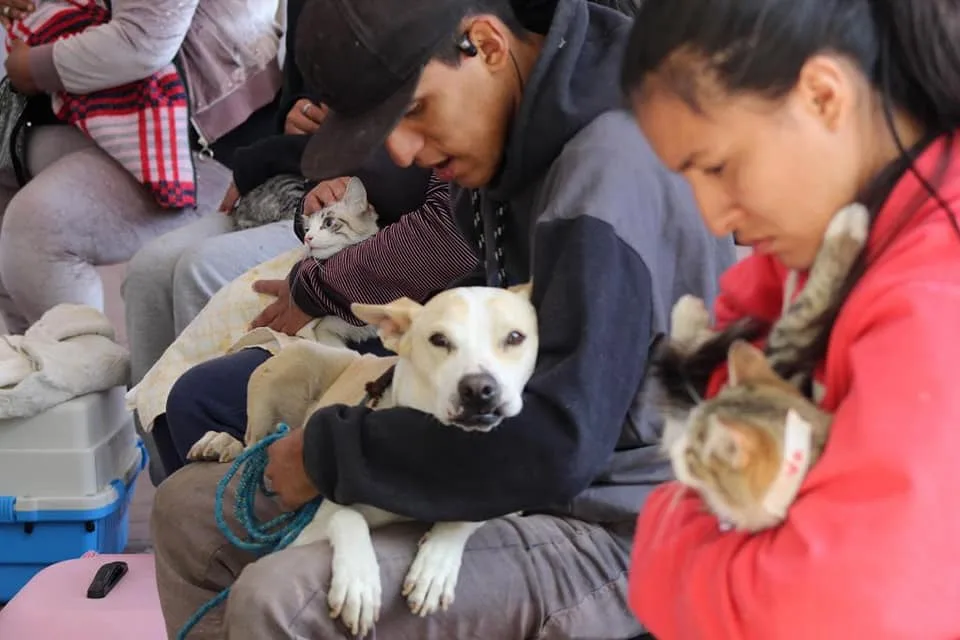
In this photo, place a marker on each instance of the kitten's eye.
(440, 341)
(514, 338)
(327, 223)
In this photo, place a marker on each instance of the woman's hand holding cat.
(283, 314)
(325, 194)
(229, 199)
(304, 118)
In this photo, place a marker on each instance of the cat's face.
(347, 222)
(731, 447)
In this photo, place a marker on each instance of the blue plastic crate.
(33, 537)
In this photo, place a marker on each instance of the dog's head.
(465, 356)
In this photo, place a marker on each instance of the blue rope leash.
(263, 537)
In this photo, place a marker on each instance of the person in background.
(81, 209)
(171, 278)
(779, 113)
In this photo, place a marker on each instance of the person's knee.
(187, 396)
(173, 504)
(150, 271)
(30, 223)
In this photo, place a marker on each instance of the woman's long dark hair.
(909, 50)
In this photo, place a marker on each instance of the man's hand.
(229, 199)
(305, 117)
(285, 473)
(283, 314)
(11, 10)
(325, 194)
(18, 68)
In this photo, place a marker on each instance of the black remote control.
(106, 579)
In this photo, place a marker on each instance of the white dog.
(464, 357)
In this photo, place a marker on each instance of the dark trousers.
(212, 396)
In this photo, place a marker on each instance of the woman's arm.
(141, 38)
(870, 548)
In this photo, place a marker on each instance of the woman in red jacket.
(779, 113)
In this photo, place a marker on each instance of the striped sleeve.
(416, 256)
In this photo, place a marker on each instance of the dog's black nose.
(479, 392)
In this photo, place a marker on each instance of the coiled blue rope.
(263, 537)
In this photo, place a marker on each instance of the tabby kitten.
(276, 199)
(747, 449)
(326, 231)
(350, 220)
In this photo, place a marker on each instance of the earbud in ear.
(466, 46)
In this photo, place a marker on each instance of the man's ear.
(392, 320)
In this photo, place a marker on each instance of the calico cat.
(349, 221)
(747, 449)
(276, 199)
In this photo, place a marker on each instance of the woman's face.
(771, 172)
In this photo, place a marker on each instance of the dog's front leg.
(432, 578)
(355, 592)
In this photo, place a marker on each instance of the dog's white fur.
(458, 333)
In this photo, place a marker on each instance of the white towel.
(69, 352)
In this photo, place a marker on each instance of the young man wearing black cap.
(550, 181)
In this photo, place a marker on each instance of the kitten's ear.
(355, 196)
(747, 363)
(392, 320)
(525, 289)
(735, 444)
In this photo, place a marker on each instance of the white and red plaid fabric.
(143, 125)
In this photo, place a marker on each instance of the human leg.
(148, 289)
(211, 396)
(205, 267)
(80, 211)
(521, 577)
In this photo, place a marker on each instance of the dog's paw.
(355, 592)
(852, 221)
(688, 319)
(215, 446)
(432, 578)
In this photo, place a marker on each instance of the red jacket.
(871, 547)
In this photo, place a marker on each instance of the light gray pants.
(81, 210)
(171, 278)
(522, 577)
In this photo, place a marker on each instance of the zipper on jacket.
(205, 150)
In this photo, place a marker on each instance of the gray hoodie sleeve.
(141, 37)
(594, 296)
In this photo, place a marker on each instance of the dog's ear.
(392, 320)
(525, 289)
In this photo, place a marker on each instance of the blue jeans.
(212, 396)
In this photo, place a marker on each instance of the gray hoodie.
(611, 239)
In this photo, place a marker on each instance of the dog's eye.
(514, 338)
(440, 341)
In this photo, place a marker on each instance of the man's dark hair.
(450, 53)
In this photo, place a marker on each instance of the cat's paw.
(355, 591)
(852, 221)
(215, 446)
(430, 583)
(688, 319)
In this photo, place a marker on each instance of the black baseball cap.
(363, 59)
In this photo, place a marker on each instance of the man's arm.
(416, 256)
(593, 294)
(139, 40)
